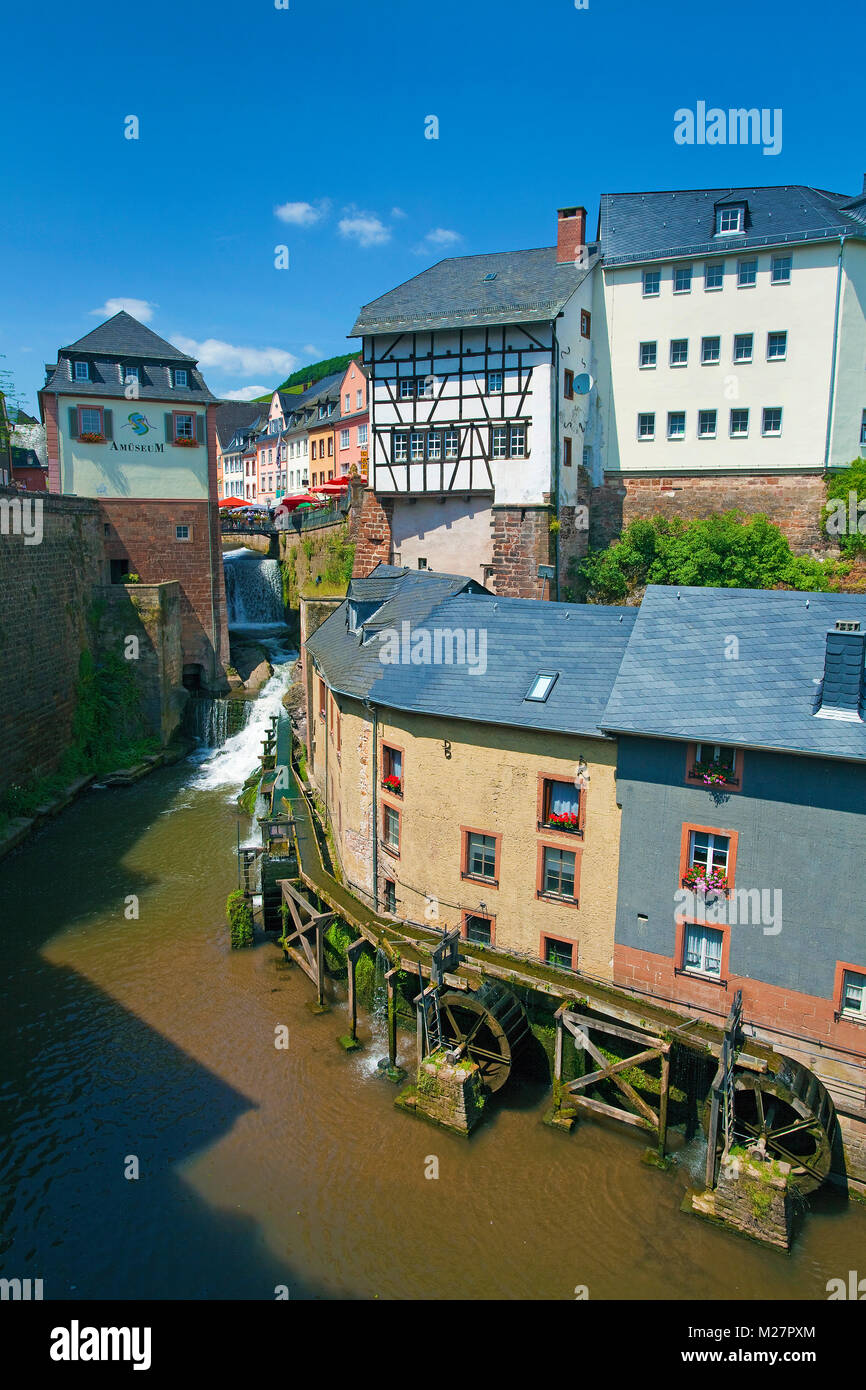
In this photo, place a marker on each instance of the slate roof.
(681, 222)
(122, 339)
(675, 682)
(529, 285)
(582, 643)
(125, 336)
(232, 416)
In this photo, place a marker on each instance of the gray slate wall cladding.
(801, 829)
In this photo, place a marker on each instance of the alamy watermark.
(736, 126)
(745, 907)
(22, 516)
(846, 518)
(437, 646)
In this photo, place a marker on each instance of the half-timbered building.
(479, 377)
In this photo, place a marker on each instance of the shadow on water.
(86, 1083)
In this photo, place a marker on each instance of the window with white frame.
(499, 442)
(647, 355)
(181, 533)
(90, 420)
(709, 851)
(407, 388)
(344, 439)
(863, 429)
(184, 426)
(683, 279)
(359, 398)
(739, 428)
(743, 345)
(777, 347)
(646, 425)
(714, 275)
(854, 994)
(180, 377)
(517, 441)
(651, 283)
(129, 374)
(702, 950)
(362, 436)
(711, 351)
(780, 270)
(706, 424)
(772, 420)
(722, 755)
(416, 446)
(729, 220)
(679, 352)
(747, 274)
(348, 401)
(676, 424)
(452, 444)
(82, 371)
(494, 382)
(424, 386)
(399, 452)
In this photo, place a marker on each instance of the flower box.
(714, 774)
(186, 443)
(92, 438)
(568, 820)
(699, 881)
(393, 784)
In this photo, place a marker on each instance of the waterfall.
(379, 1005)
(228, 766)
(211, 720)
(254, 590)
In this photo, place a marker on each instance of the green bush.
(239, 913)
(728, 550)
(851, 540)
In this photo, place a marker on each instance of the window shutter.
(108, 424)
(73, 422)
(199, 428)
(169, 427)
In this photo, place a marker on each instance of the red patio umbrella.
(233, 502)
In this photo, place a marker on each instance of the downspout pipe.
(832, 393)
(375, 726)
(555, 370)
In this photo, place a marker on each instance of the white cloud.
(140, 309)
(442, 236)
(365, 228)
(398, 212)
(302, 214)
(310, 350)
(245, 361)
(246, 393)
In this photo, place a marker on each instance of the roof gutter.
(833, 365)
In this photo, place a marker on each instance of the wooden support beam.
(598, 1107)
(320, 962)
(713, 1137)
(663, 1103)
(608, 1070)
(352, 954)
(557, 1056)
(572, 1020)
(390, 985)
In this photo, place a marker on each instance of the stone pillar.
(751, 1195)
(522, 541)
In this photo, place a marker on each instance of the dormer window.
(129, 374)
(181, 377)
(730, 219)
(81, 371)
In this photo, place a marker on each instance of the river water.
(146, 1037)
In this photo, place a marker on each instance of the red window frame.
(585, 323)
(838, 984)
(720, 980)
(555, 936)
(577, 851)
(691, 759)
(465, 832)
(388, 805)
(733, 837)
(488, 917)
(187, 415)
(385, 750)
(100, 412)
(541, 802)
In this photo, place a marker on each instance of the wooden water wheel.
(490, 1026)
(793, 1112)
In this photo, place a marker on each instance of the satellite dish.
(583, 384)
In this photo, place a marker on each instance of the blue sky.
(320, 110)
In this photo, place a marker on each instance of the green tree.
(844, 514)
(727, 550)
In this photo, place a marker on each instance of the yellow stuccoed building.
(490, 786)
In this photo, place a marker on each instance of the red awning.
(290, 503)
(233, 502)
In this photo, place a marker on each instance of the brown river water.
(261, 1167)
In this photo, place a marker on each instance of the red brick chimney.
(570, 233)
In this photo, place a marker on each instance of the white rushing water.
(230, 765)
(254, 591)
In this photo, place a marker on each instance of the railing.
(301, 520)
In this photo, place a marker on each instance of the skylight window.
(541, 686)
(491, 275)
